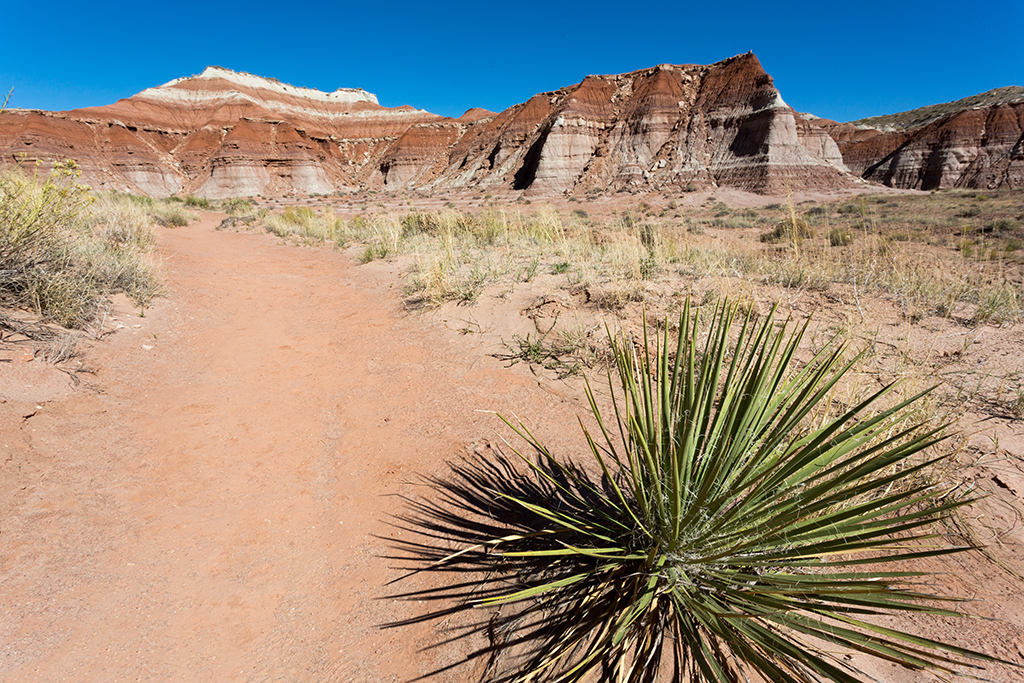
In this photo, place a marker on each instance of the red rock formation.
(977, 142)
(665, 127)
(224, 134)
(979, 148)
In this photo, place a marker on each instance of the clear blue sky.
(841, 61)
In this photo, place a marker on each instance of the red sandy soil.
(205, 506)
(212, 501)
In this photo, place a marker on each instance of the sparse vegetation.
(887, 249)
(62, 250)
(840, 237)
(168, 212)
(565, 352)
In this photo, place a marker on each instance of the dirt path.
(206, 509)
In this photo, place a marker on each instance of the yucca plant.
(719, 534)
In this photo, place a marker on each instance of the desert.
(260, 409)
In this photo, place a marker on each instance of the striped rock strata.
(223, 134)
(978, 147)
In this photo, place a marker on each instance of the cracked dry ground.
(212, 502)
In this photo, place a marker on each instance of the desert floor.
(208, 495)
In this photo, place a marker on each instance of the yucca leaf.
(720, 524)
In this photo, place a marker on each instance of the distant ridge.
(248, 80)
(976, 142)
(915, 118)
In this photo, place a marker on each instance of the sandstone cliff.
(222, 134)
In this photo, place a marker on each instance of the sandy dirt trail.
(204, 507)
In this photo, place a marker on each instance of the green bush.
(717, 530)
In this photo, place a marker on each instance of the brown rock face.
(665, 127)
(979, 148)
(977, 142)
(223, 134)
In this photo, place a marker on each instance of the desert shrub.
(60, 254)
(166, 212)
(840, 237)
(717, 530)
(412, 224)
(302, 215)
(1003, 227)
(236, 206)
(304, 225)
(197, 202)
(627, 219)
(731, 222)
(793, 229)
(998, 304)
(172, 218)
(965, 247)
(124, 224)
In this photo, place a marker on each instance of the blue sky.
(838, 61)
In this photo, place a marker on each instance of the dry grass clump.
(170, 213)
(791, 229)
(238, 206)
(458, 253)
(62, 250)
(305, 226)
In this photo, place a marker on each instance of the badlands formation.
(225, 134)
(977, 142)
